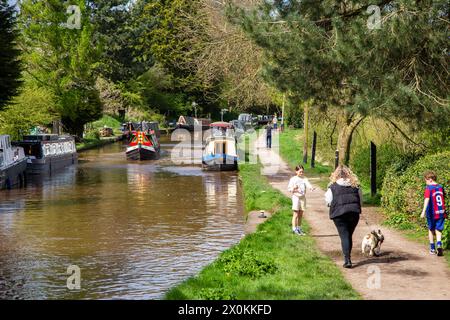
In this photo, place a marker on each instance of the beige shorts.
(298, 203)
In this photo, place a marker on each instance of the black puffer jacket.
(346, 199)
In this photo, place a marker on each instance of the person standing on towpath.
(297, 186)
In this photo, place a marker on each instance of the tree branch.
(405, 135)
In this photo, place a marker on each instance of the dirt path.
(405, 269)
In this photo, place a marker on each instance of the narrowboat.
(191, 123)
(130, 127)
(143, 145)
(219, 149)
(13, 164)
(47, 153)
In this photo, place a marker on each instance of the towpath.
(405, 270)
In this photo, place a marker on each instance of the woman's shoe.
(348, 264)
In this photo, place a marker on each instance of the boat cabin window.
(33, 150)
(220, 148)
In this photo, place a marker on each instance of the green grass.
(271, 263)
(291, 150)
(94, 143)
(109, 122)
(92, 138)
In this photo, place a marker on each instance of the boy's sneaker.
(301, 232)
(296, 231)
(432, 251)
(440, 252)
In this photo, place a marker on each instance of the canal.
(134, 229)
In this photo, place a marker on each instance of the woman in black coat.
(344, 197)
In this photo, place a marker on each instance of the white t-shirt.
(301, 183)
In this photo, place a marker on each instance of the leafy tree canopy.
(10, 65)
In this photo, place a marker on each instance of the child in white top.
(297, 186)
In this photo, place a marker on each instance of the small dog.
(371, 243)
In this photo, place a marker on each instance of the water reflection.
(134, 229)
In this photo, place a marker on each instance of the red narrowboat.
(143, 146)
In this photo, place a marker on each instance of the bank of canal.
(134, 229)
(271, 263)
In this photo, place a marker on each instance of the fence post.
(313, 151)
(373, 168)
(336, 159)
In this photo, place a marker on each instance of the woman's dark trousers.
(269, 141)
(346, 225)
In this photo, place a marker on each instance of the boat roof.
(46, 137)
(220, 124)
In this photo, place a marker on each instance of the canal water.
(134, 229)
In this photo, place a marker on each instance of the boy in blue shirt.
(434, 210)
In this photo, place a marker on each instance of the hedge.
(402, 192)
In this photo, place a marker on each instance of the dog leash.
(368, 226)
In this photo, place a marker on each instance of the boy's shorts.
(435, 224)
(298, 203)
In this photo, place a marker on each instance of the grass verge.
(109, 122)
(271, 263)
(95, 143)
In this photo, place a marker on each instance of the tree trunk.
(351, 122)
(305, 132)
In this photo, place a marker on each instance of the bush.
(92, 135)
(32, 107)
(245, 262)
(388, 155)
(216, 294)
(294, 116)
(402, 193)
(360, 162)
(107, 121)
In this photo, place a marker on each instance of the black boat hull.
(14, 176)
(219, 167)
(51, 164)
(140, 153)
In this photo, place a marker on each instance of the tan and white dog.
(371, 243)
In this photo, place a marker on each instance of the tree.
(230, 58)
(165, 38)
(210, 59)
(327, 52)
(34, 106)
(118, 31)
(10, 65)
(57, 43)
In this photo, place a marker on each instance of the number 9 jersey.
(436, 206)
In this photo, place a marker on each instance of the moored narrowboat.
(47, 153)
(192, 124)
(13, 164)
